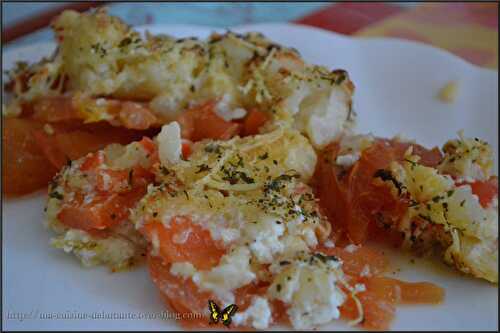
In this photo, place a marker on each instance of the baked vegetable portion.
(99, 59)
(421, 199)
(105, 73)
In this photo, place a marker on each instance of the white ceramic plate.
(396, 84)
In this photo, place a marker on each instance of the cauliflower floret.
(423, 183)
(123, 157)
(169, 144)
(471, 255)
(446, 214)
(309, 286)
(468, 159)
(301, 157)
(473, 229)
(117, 253)
(326, 117)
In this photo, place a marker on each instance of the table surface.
(469, 30)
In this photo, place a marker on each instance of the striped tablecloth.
(469, 30)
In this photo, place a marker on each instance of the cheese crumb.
(347, 160)
(155, 240)
(448, 92)
(169, 143)
(351, 248)
(234, 271)
(258, 314)
(48, 129)
(228, 113)
(329, 244)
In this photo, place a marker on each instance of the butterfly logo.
(225, 315)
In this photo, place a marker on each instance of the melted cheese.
(467, 231)
(468, 159)
(309, 286)
(124, 246)
(274, 219)
(257, 315)
(101, 56)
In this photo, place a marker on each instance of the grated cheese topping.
(267, 215)
(241, 71)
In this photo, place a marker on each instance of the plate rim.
(276, 26)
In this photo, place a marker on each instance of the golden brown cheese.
(122, 246)
(98, 55)
(250, 195)
(467, 231)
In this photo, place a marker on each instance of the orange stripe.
(347, 18)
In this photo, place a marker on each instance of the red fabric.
(42, 20)
(347, 18)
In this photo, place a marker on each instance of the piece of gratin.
(99, 56)
(249, 196)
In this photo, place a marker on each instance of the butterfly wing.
(215, 313)
(227, 313)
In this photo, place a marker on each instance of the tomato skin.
(182, 295)
(148, 145)
(485, 190)
(330, 188)
(253, 122)
(49, 146)
(113, 181)
(92, 161)
(351, 198)
(136, 116)
(184, 241)
(428, 157)
(97, 216)
(131, 115)
(201, 122)
(186, 149)
(66, 144)
(24, 165)
(353, 262)
(114, 192)
(31, 156)
(105, 211)
(55, 109)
